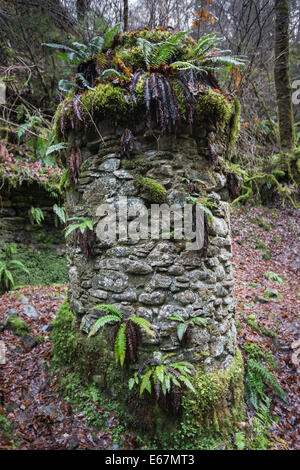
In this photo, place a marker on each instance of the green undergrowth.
(92, 379)
(252, 322)
(45, 268)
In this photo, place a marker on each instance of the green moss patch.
(18, 326)
(215, 107)
(208, 417)
(155, 191)
(45, 268)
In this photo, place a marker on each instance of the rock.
(111, 164)
(218, 347)
(29, 342)
(176, 270)
(166, 170)
(18, 326)
(46, 328)
(111, 281)
(186, 297)
(159, 281)
(218, 226)
(220, 273)
(154, 298)
(2, 353)
(11, 311)
(30, 311)
(162, 255)
(129, 295)
(123, 175)
(271, 294)
(260, 299)
(98, 293)
(87, 322)
(136, 267)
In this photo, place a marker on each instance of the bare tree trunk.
(282, 76)
(125, 14)
(82, 7)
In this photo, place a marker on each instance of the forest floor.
(39, 417)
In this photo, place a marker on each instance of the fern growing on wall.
(84, 234)
(127, 332)
(184, 327)
(165, 380)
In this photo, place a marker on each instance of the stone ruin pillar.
(155, 278)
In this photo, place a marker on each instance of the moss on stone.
(155, 191)
(65, 339)
(235, 123)
(213, 392)
(113, 101)
(106, 99)
(209, 414)
(71, 348)
(216, 407)
(180, 97)
(18, 326)
(138, 164)
(215, 107)
(131, 57)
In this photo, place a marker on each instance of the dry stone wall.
(155, 278)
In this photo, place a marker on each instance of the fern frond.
(187, 382)
(176, 317)
(181, 329)
(200, 321)
(110, 35)
(144, 324)
(120, 345)
(146, 381)
(8, 278)
(267, 376)
(15, 264)
(101, 322)
(110, 309)
(113, 73)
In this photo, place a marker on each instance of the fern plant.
(127, 332)
(206, 205)
(81, 224)
(157, 54)
(79, 53)
(261, 425)
(208, 54)
(258, 376)
(84, 234)
(184, 332)
(60, 214)
(8, 267)
(165, 380)
(36, 215)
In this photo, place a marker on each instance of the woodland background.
(34, 411)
